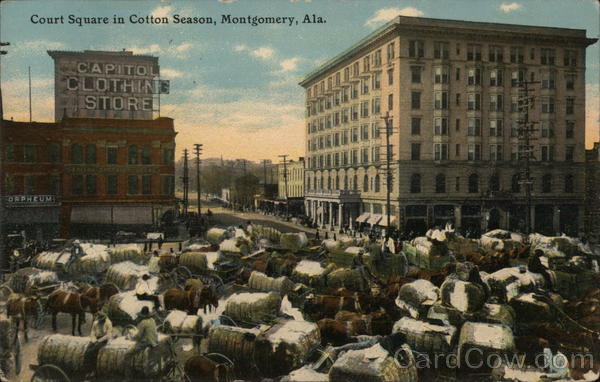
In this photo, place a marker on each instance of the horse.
(192, 298)
(102, 292)
(74, 303)
(199, 368)
(20, 307)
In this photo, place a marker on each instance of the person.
(160, 242)
(317, 235)
(143, 291)
(209, 213)
(101, 329)
(147, 334)
(326, 235)
(535, 265)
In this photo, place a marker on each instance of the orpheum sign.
(30, 200)
(106, 84)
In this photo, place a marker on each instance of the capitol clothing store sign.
(106, 84)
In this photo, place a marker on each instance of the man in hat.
(147, 335)
(144, 292)
(101, 330)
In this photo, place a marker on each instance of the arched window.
(515, 185)
(415, 183)
(90, 154)
(329, 183)
(569, 186)
(473, 183)
(337, 182)
(321, 184)
(355, 183)
(547, 183)
(146, 158)
(440, 183)
(76, 154)
(308, 183)
(345, 182)
(377, 183)
(494, 182)
(132, 154)
(366, 183)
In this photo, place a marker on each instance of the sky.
(234, 88)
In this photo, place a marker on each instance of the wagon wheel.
(181, 274)
(176, 374)
(5, 291)
(39, 316)
(49, 373)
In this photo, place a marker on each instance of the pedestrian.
(326, 235)
(101, 329)
(334, 237)
(160, 242)
(317, 235)
(143, 292)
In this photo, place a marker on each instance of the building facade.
(453, 91)
(82, 176)
(592, 203)
(294, 181)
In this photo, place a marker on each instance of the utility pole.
(265, 172)
(2, 52)
(389, 176)
(186, 182)
(285, 180)
(525, 135)
(198, 151)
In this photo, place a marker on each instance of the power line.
(198, 151)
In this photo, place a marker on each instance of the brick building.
(83, 176)
(452, 91)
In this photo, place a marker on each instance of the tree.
(244, 189)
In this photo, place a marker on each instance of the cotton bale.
(425, 336)
(27, 280)
(293, 241)
(345, 257)
(236, 343)
(305, 374)
(485, 339)
(96, 259)
(216, 235)
(125, 307)
(263, 283)
(386, 264)
(125, 275)
(181, 323)
(128, 252)
(462, 295)
(253, 307)
(453, 316)
(118, 358)
(52, 260)
(74, 355)
(497, 314)
(373, 364)
(419, 292)
(572, 285)
(529, 309)
(351, 279)
(311, 273)
(194, 261)
(237, 246)
(264, 232)
(426, 254)
(510, 282)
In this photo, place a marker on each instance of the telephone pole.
(389, 176)
(198, 151)
(526, 131)
(285, 180)
(186, 182)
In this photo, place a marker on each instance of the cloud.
(289, 64)
(161, 11)
(240, 48)
(264, 52)
(32, 47)
(298, 1)
(507, 8)
(149, 49)
(171, 73)
(178, 50)
(386, 14)
(227, 1)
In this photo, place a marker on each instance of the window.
(415, 183)
(532, 54)
(132, 184)
(354, 91)
(364, 155)
(376, 58)
(547, 153)
(90, 154)
(496, 152)
(364, 132)
(146, 184)
(364, 109)
(496, 77)
(569, 187)
(517, 77)
(375, 130)
(375, 157)
(416, 48)
(473, 183)
(441, 50)
(354, 136)
(474, 76)
(495, 54)
(495, 127)
(415, 126)
(346, 74)
(474, 127)
(547, 183)
(547, 56)
(111, 155)
(547, 104)
(345, 137)
(54, 184)
(440, 183)
(354, 112)
(9, 152)
(474, 152)
(132, 154)
(376, 106)
(345, 95)
(457, 150)
(167, 184)
(457, 74)
(516, 55)
(415, 100)
(345, 115)
(365, 186)
(548, 80)
(441, 100)
(473, 52)
(494, 182)
(474, 101)
(390, 101)
(29, 184)
(336, 139)
(390, 75)
(29, 153)
(569, 153)
(496, 102)
(355, 69)
(547, 129)
(364, 86)
(570, 129)
(111, 184)
(76, 154)
(168, 156)
(440, 151)
(90, 184)
(515, 186)
(77, 185)
(376, 81)
(570, 58)
(377, 183)
(390, 52)
(570, 81)
(54, 152)
(458, 99)
(515, 152)
(441, 75)
(415, 151)
(415, 74)
(440, 126)
(570, 105)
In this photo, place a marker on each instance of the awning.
(363, 218)
(91, 215)
(374, 219)
(383, 221)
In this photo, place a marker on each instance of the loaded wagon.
(211, 267)
(64, 358)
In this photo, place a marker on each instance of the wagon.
(64, 358)
(211, 267)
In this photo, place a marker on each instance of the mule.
(20, 307)
(74, 303)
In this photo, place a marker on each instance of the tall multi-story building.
(592, 204)
(291, 185)
(453, 91)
